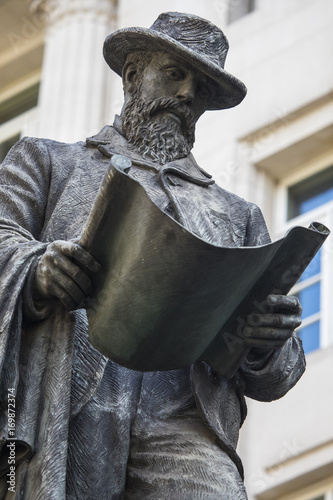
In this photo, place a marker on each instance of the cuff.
(279, 374)
(33, 310)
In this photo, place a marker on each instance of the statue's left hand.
(62, 273)
(271, 328)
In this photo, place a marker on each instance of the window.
(19, 103)
(326, 496)
(16, 114)
(239, 8)
(310, 193)
(6, 145)
(303, 200)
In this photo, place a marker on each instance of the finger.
(267, 333)
(68, 284)
(64, 297)
(70, 269)
(77, 253)
(284, 302)
(275, 320)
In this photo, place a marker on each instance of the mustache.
(169, 103)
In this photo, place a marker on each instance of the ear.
(130, 77)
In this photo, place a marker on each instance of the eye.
(174, 73)
(203, 91)
(206, 89)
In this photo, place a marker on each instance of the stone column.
(75, 88)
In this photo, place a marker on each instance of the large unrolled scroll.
(166, 298)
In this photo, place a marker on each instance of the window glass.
(19, 103)
(310, 299)
(13, 108)
(313, 268)
(316, 200)
(6, 145)
(310, 336)
(310, 193)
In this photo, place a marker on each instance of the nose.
(186, 90)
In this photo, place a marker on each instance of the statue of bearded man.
(87, 427)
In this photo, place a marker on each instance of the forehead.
(167, 58)
(161, 60)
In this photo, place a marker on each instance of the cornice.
(54, 10)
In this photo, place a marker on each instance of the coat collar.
(110, 141)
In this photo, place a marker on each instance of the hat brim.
(119, 44)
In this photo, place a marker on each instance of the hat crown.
(195, 33)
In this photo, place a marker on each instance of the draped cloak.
(47, 189)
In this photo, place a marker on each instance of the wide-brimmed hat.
(198, 41)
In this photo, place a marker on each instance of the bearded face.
(161, 130)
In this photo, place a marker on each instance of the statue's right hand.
(62, 273)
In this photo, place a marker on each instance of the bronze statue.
(86, 427)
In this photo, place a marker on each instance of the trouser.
(141, 438)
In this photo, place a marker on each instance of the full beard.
(157, 136)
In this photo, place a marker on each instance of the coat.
(46, 193)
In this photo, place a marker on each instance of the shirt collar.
(110, 141)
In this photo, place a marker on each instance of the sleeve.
(256, 229)
(277, 375)
(36, 361)
(24, 184)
